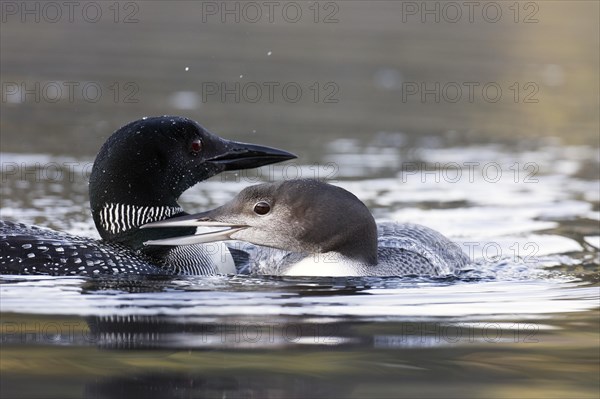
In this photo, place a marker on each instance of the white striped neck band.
(117, 218)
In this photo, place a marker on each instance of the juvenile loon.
(327, 231)
(137, 177)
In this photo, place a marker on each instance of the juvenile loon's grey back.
(325, 230)
(137, 178)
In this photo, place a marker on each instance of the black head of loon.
(304, 216)
(137, 177)
(143, 168)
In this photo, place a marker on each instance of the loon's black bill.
(199, 238)
(246, 156)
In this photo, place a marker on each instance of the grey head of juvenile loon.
(137, 178)
(327, 230)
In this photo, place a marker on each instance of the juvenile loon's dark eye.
(262, 208)
(196, 146)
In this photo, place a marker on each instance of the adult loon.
(137, 177)
(327, 231)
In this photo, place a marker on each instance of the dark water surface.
(515, 181)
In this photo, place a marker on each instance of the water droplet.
(269, 53)
(187, 69)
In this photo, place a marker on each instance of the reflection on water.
(298, 357)
(206, 298)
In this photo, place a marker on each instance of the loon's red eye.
(196, 146)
